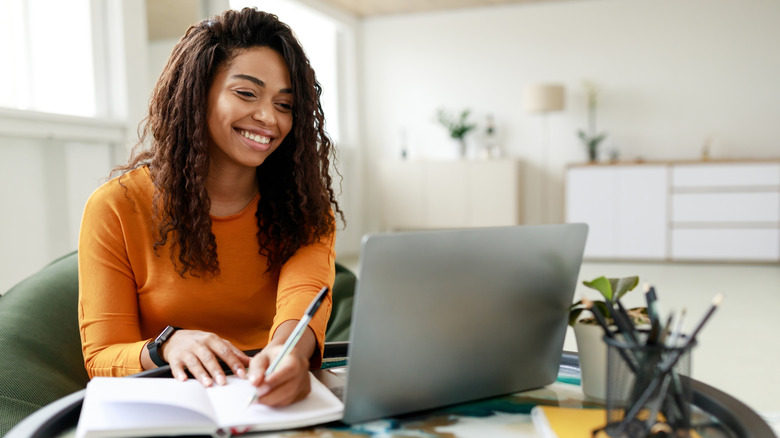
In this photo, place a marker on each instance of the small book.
(148, 406)
(560, 422)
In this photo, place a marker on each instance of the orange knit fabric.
(128, 294)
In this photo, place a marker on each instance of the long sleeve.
(108, 301)
(301, 278)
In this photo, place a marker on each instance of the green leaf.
(604, 309)
(603, 285)
(620, 286)
(574, 315)
(612, 289)
(457, 127)
(577, 308)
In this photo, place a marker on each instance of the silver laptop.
(444, 317)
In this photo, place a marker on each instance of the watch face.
(166, 333)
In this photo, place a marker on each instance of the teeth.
(258, 138)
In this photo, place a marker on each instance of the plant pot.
(594, 363)
(593, 152)
(460, 147)
(592, 351)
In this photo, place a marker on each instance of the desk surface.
(505, 416)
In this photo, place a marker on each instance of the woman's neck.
(230, 191)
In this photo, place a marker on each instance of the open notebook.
(148, 406)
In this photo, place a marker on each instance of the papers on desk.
(121, 406)
(559, 422)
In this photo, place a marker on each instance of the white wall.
(50, 164)
(671, 74)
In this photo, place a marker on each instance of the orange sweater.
(128, 294)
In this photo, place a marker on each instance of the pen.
(607, 332)
(623, 322)
(652, 312)
(692, 337)
(295, 336)
(675, 335)
(664, 367)
(666, 329)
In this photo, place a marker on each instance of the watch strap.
(154, 346)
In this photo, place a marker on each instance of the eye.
(248, 94)
(284, 106)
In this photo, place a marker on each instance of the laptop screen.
(444, 317)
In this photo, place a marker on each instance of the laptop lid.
(444, 317)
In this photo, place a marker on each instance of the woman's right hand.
(199, 352)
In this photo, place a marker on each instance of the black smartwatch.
(154, 346)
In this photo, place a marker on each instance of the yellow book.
(558, 422)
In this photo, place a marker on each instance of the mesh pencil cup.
(646, 390)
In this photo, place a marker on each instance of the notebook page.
(229, 402)
(144, 404)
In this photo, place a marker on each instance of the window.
(318, 34)
(49, 62)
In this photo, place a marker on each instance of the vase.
(460, 147)
(592, 351)
(594, 357)
(593, 152)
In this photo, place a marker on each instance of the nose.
(264, 113)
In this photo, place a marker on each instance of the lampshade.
(541, 98)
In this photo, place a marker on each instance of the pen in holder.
(648, 396)
(648, 392)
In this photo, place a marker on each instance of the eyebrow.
(259, 83)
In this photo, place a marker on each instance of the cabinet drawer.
(762, 245)
(725, 175)
(726, 207)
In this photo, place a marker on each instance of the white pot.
(592, 351)
(461, 148)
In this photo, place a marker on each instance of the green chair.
(341, 313)
(40, 345)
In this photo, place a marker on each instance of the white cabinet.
(450, 194)
(625, 208)
(725, 212)
(694, 211)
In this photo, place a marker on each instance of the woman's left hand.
(289, 382)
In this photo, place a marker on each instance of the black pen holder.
(647, 394)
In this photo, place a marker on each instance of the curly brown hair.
(297, 202)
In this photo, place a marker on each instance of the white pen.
(295, 336)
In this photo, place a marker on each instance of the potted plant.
(589, 333)
(591, 138)
(457, 127)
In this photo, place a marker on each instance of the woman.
(219, 234)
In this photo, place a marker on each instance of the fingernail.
(239, 371)
(221, 380)
(252, 379)
(181, 377)
(263, 390)
(206, 381)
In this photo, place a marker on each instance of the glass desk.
(716, 413)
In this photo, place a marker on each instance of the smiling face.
(249, 108)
